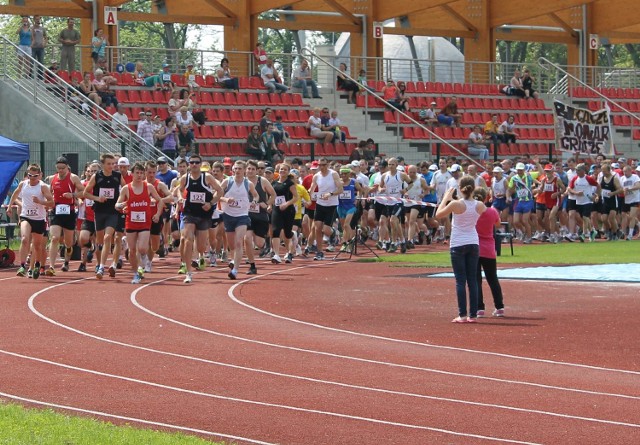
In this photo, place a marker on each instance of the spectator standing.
(271, 78)
(38, 39)
(169, 138)
(259, 57)
(69, 38)
(24, 46)
(145, 131)
(450, 115)
(302, 79)
(98, 45)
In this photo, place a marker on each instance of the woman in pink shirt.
(487, 262)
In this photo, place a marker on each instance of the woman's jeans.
(464, 260)
(490, 268)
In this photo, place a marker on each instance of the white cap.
(520, 166)
(355, 164)
(401, 168)
(615, 165)
(123, 161)
(98, 71)
(455, 168)
(433, 167)
(498, 170)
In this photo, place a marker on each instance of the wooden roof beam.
(222, 8)
(47, 11)
(614, 15)
(345, 12)
(315, 26)
(387, 9)
(564, 25)
(521, 35)
(460, 19)
(504, 13)
(259, 6)
(81, 3)
(430, 32)
(173, 18)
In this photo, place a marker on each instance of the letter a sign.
(110, 15)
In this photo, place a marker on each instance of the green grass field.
(552, 254)
(20, 426)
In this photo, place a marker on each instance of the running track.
(331, 353)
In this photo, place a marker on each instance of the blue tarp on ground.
(12, 155)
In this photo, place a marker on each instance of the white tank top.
(31, 210)
(499, 187)
(239, 193)
(414, 192)
(326, 184)
(463, 225)
(393, 184)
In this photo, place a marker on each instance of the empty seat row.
(614, 93)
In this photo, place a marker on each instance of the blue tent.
(12, 156)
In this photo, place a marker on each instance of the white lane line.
(340, 356)
(267, 404)
(132, 419)
(9, 278)
(313, 380)
(231, 295)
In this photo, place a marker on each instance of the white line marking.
(132, 419)
(313, 380)
(409, 342)
(10, 278)
(269, 405)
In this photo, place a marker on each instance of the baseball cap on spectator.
(434, 103)
(315, 165)
(165, 65)
(433, 167)
(227, 161)
(456, 168)
(269, 170)
(295, 171)
(162, 160)
(520, 166)
(499, 170)
(615, 165)
(622, 160)
(548, 167)
(123, 161)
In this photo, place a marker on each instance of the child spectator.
(279, 128)
(335, 122)
(190, 77)
(165, 78)
(362, 78)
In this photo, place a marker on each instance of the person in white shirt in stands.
(145, 131)
(428, 115)
(302, 79)
(506, 131)
(314, 124)
(271, 78)
(120, 122)
(477, 145)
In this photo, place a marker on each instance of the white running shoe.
(188, 278)
(276, 259)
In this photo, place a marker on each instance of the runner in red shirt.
(548, 201)
(135, 201)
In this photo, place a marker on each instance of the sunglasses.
(323, 165)
(195, 162)
(33, 175)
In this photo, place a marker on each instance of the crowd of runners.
(233, 212)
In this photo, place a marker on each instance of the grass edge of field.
(22, 425)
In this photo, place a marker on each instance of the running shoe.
(112, 271)
(147, 266)
(118, 265)
(201, 264)
(344, 247)
(82, 267)
(136, 279)
(212, 260)
(480, 313)
(188, 278)
(252, 271)
(65, 267)
(276, 259)
(288, 258)
(330, 248)
(498, 313)
(233, 273)
(194, 264)
(90, 256)
(298, 250)
(21, 272)
(421, 238)
(51, 272)
(100, 272)
(410, 245)
(140, 271)
(403, 248)
(319, 257)
(183, 269)
(459, 320)
(392, 248)
(231, 264)
(592, 236)
(379, 245)
(472, 320)
(35, 273)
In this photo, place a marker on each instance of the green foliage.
(27, 426)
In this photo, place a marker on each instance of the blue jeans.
(303, 83)
(274, 86)
(481, 152)
(464, 260)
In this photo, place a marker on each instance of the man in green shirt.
(69, 38)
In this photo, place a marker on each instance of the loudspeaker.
(73, 159)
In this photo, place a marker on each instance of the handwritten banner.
(583, 131)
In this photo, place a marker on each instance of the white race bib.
(197, 197)
(192, 77)
(32, 212)
(606, 193)
(139, 217)
(254, 207)
(522, 193)
(166, 77)
(263, 58)
(394, 190)
(280, 200)
(88, 202)
(549, 188)
(314, 196)
(346, 194)
(109, 193)
(63, 209)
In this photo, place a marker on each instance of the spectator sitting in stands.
(102, 65)
(449, 115)
(515, 86)
(491, 129)
(190, 77)
(527, 84)
(139, 75)
(428, 115)
(254, 144)
(102, 85)
(120, 122)
(302, 79)
(314, 124)
(389, 92)
(370, 151)
(223, 76)
(175, 103)
(269, 144)
(278, 127)
(477, 145)
(334, 122)
(188, 99)
(358, 152)
(185, 119)
(325, 117)
(506, 130)
(165, 78)
(186, 139)
(87, 88)
(267, 118)
(346, 84)
(271, 78)
(401, 101)
(362, 78)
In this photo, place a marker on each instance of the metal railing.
(69, 106)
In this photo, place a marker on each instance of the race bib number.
(197, 197)
(627, 184)
(166, 77)
(549, 188)
(263, 58)
(394, 190)
(109, 193)
(32, 212)
(192, 77)
(88, 202)
(233, 204)
(254, 207)
(280, 200)
(606, 193)
(346, 194)
(63, 209)
(314, 196)
(522, 194)
(139, 217)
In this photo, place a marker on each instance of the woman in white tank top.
(464, 246)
